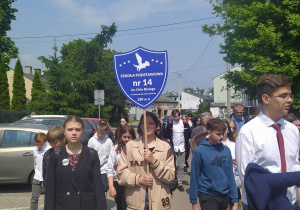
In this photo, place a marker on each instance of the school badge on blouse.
(65, 162)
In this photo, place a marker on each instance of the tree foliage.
(192, 90)
(188, 90)
(37, 93)
(204, 107)
(18, 101)
(263, 37)
(4, 90)
(8, 50)
(83, 67)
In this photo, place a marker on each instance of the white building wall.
(220, 91)
(189, 101)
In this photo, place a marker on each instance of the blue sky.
(191, 53)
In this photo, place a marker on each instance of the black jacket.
(45, 165)
(80, 190)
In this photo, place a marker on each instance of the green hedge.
(9, 116)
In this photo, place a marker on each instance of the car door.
(89, 131)
(16, 155)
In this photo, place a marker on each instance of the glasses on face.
(284, 96)
(158, 130)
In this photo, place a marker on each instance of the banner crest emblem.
(141, 75)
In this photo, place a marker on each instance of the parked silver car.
(16, 152)
(51, 120)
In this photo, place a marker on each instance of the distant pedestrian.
(292, 119)
(56, 138)
(123, 121)
(73, 177)
(117, 191)
(212, 179)
(196, 122)
(103, 145)
(229, 141)
(190, 119)
(232, 127)
(195, 142)
(178, 132)
(132, 169)
(37, 183)
(238, 116)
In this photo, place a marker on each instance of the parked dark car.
(51, 120)
(16, 152)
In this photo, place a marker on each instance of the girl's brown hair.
(73, 118)
(229, 134)
(124, 129)
(234, 133)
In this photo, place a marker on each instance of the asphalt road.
(17, 197)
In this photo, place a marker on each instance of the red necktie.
(281, 149)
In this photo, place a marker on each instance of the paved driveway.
(17, 197)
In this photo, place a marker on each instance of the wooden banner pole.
(147, 166)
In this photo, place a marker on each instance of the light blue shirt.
(238, 123)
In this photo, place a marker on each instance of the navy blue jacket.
(82, 189)
(265, 189)
(212, 172)
(46, 159)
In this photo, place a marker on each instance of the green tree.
(188, 90)
(37, 93)
(204, 107)
(83, 67)
(18, 101)
(200, 90)
(4, 91)
(8, 50)
(263, 37)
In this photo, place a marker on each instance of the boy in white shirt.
(268, 140)
(103, 145)
(38, 154)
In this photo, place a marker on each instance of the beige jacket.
(132, 166)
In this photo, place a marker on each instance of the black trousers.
(211, 202)
(187, 148)
(120, 197)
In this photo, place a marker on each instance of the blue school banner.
(141, 75)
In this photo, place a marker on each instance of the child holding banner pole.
(147, 165)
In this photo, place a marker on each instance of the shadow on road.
(15, 188)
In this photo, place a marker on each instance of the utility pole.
(228, 92)
(227, 70)
(179, 91)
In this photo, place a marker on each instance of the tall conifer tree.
(18, 101)
(37, 93)
(4, 91)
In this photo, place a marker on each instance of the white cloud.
(122, 10)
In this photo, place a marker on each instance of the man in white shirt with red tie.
(268, 140)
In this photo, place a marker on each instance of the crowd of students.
(133, 170)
